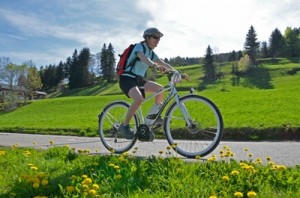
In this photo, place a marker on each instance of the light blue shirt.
(139, 67)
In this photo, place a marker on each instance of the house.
(5, 93)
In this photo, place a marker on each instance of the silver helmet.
(152, 31)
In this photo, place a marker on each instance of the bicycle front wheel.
(195, 127)
(109, 121)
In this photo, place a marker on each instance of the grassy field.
(64, 172)
(265, 102)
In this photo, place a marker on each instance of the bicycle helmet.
(152, 31)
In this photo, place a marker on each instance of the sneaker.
(125, 130)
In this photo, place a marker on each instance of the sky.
(47, 32)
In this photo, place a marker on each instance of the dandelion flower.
(33, 168)
(45, 182)
(198, 157)
(249, 155)
(161, 152)
(281, 167)
(92, 192)
(251, 194)
(213, 196)
(2, 153)
(225, 178)
(35, 180)
(238, 194)
(84, 176)
(269, 158)
(51, 142)
(118, 176)
(96, 186)
(87, 181)
(117, 167)
(35, 185)
(235, 172)
(246, 149)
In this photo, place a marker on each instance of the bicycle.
(192, 124)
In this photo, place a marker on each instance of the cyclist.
(132, 81)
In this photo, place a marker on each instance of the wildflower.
(281, 167)
(70, 189)
(246, 149)
(251, 194)
(258, 160)
(92, 192)
(35, 185)
(87, 181)
(212, 196)
(118, 176)
(96, 186)
(198, 157)
(225, 178)
(2, 153)
(35, 180)
(250, 155)
(34, 143)
(33, 168)
(84, 176)
(161, 152)
(27, 153)
(111, 164)
(85, 187)
(268, 158)
(235, 172)
(45, 182)
(51, 142)
(168, 148)
(117, 167)
(238, 194)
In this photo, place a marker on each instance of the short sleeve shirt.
(140, 67)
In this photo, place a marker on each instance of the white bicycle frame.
(176, 77)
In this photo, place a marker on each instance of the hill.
(262, 105)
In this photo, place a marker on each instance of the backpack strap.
(132, 63)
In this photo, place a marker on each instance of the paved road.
(287, 153)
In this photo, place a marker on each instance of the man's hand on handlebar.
(185, 76)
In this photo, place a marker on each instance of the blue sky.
(48, 32)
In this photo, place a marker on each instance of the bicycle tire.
(205, 134)
(109, 120)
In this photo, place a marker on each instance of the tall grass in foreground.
(64, 172)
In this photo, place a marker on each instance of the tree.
(292, 42)
(111, 62)
(264, 51)
(209, 68)
(84, 77)
(276, 44)
(105, 63)
(73, 72)
(251, 44)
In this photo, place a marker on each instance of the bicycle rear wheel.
(109, 121)
(205, 131)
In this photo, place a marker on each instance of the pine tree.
(276, 44)
(104, 62)
(111, 62)
(251, 44)
(264, 51)
(84, 76)
(73, 77)
(209, 68)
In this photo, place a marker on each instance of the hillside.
(263, 105)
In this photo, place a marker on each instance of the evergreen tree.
(104, 62)
(74, 71)
(84, 78)
(111, 62)
(264, 50)
(292, 42)
(209, 68)
(251, 44)
(276, 44)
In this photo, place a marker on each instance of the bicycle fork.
(184, 111)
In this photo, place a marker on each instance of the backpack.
(122, 64)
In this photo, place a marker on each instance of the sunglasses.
(155, 37)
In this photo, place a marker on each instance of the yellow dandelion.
(118, 176)
(116, 167)
(51, 142)
(281, 167)
(250, 155)
(35, 185)
(2, 153)
(95, 186)
(87, 181)
(45, 182)
(238, 194)
(269, 158)
(111, 164)
(213, 196)
(161, 152)
(84, 176)
(251, 194)
(198, 157)
(246, 149)
(235, 172)
(33, 168)
(92, 192)
(34, 143)
(35, 180)
(168, 148)
(85, 187)
(70, 189)
(225, 178)
(243, 164)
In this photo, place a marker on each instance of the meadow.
(64, 172)
(264, 104)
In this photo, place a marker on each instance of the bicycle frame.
(173, 93)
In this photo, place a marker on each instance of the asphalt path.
(286, 152)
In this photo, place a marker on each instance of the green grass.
(265, 102)
(64, 172)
